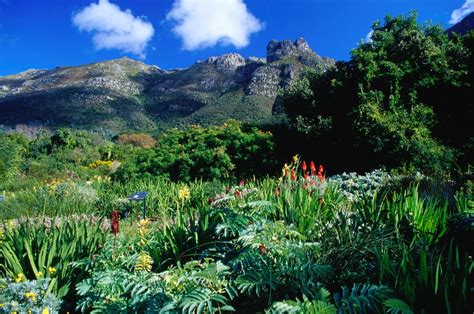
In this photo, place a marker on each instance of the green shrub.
(220, 152)
(391, 101)
(25, 296)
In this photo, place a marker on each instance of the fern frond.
(397, 306)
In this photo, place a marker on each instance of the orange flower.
(320, 176)
(293, 175)
(303, 166)
(321, 168)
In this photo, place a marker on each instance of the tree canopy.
(403, 99)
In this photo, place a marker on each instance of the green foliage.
(27, 297)
(396, 306)
(392, 101)
(114, 285)
(12, 151)
(278, 261)
(56, 198)
(289, 243)
(120, 291)
(305, 306)
(227, 151)
(37, 248)
(362, 299)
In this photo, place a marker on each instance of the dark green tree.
(403, 99)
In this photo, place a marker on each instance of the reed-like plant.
(45, 247)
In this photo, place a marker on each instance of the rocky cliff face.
(125, 94)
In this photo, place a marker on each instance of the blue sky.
(177, 33)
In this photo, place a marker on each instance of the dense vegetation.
(235, 222)
(404, 99)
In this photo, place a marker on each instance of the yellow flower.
(39, 274)
(184, 193)
(10, 224)
(45, 311)
(296, 158)
(31, 295)
(144, 223)
(1, 305)
(144, 262)
(52, 270)
(19, 277)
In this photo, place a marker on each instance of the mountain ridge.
(125, 94)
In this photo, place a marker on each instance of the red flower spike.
(321, 177)
(237, 194)
(312, 167)
(211, 200)
(303, 166)
(115, 226)
(115, 222)
(242, 183)
(306, 176)
(293, 175)
(262, 249)
(321, 168)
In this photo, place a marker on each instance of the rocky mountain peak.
(228, 62)
(302, 45)
(278, 50)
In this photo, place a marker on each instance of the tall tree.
(403, 99)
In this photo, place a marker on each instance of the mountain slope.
(464, 26)
(124, 94)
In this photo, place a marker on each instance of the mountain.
(124, 94)
(464, 26)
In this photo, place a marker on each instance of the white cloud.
(458, 14)
(114, 28)
(206, 23)
(368, 37)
